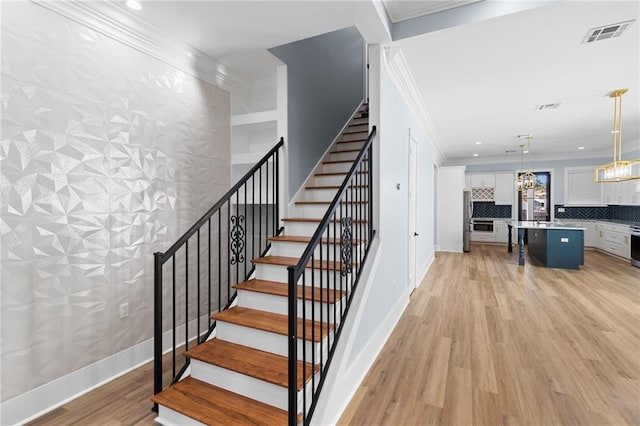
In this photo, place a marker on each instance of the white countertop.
(532, 224)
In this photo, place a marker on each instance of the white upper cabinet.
(483, 181)
(504, 189)
(580, 188)
(631, 192)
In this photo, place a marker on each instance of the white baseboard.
(39, 401)
(425, 268)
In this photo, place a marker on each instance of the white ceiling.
(480, 81)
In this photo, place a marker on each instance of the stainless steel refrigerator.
(466, 219)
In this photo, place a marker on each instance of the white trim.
(254, 118)
(400, 73)
(36, 402)
(425, 268)
(114, 21)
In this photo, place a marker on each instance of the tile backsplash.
(490, 209)
(583, 212)
(630, 213)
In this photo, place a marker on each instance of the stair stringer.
(350, 365)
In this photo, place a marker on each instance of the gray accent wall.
(325, 79)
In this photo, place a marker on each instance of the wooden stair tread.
(313, 187)
(293, 261)
(273, 323)
(251, 362)
(315, 220)
(335, 173)
(353, 132)
(212, 405)
(345, 150)
(352, 141)
(275, 288)
(320, 203)
(307, 240)
(339, 161)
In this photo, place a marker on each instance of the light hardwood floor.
(483, 342)
(486, 342)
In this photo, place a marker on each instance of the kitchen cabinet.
(614, 239)
(631, 192)
(502, 232)
(467, 182)
(483, 181)
(589, 234)
(504, 188)
(580, 188)
(613, 192)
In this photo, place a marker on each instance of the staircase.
(240, 373)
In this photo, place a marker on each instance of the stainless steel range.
(635, 245)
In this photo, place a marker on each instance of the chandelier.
(525, 180)
(618, 170)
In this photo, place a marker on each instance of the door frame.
(412, 212)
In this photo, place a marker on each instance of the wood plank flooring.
(486, 342)
(483, 342)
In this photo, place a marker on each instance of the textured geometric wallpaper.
(106, 155)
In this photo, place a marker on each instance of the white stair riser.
(312, 277)
(259, 390)
(327, 180)
(348, 145)
(354, 127)
(279, 305)
(335, 156)
(319, 210)
(318, 194)
(359, 231)
(267, 341)
(239, 383)
(336, 167)
(289, 249)
(354, 137)
(169, 417)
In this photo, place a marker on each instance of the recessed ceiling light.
(133, 4)
(526, 151)
(527, 136)
(479, 143)
(475, 155)
(581, 147)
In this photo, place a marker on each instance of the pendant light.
(525, 180)
(618, 170)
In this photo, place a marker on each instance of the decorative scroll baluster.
(346, 246)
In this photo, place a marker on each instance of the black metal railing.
(329, 271)
(234, 231)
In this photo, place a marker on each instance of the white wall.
(108, 155)
(450, 208)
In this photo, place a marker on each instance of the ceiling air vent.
(547, 106)
(608, 31)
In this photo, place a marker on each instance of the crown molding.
(117, 23)
(398, 69)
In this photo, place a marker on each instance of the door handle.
(415, 234)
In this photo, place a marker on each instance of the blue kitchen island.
(553, 244)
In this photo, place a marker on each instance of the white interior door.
(413, 234)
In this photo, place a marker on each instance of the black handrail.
(232, 255)
(347, 213)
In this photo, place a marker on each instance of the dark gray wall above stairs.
(325, 78)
